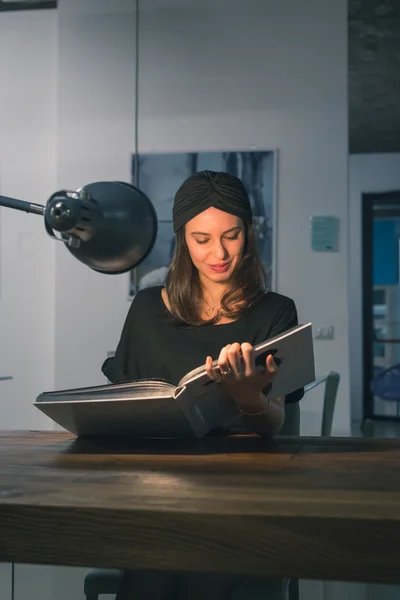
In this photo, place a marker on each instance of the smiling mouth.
(220, 268)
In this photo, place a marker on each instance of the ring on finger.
(225, 372)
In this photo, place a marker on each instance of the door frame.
(368, 201)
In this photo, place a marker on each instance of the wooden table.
(304, 507)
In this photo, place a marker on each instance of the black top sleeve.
(284, 320)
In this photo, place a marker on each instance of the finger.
(249, 361)
(235, 360)
(223, 361)
(271, 365)
(211, 372)
(208, 365)
(270, 369)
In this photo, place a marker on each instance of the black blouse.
(152, 346)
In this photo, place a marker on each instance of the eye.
(202, 241)
(235, 237)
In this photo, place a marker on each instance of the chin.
(212, 276)
(221, 276)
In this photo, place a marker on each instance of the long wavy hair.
(184, 289)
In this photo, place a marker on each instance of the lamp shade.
(110, 226)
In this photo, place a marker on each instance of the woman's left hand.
(237, 369)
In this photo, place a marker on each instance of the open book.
(156, 408)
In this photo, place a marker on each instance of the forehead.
(213, 220)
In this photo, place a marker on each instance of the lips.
(221, 268)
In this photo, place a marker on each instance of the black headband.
(209, 188)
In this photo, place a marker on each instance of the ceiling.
(374, 76)
(374, 71)
(7, 5)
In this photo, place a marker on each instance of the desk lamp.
(110, 226)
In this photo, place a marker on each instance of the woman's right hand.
(237, 369)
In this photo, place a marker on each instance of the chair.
(331, 388)
(386, 385)
(102, 581)
(107, 581)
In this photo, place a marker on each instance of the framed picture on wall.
(160, 175)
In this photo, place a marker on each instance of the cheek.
(197, 252)
(237, 250)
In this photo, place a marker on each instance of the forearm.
(269, 413)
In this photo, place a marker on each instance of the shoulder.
(151, 293)
(146, 300)
(274, 302)
(276, 313)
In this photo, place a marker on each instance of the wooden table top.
(324, 508)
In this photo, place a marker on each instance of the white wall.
(95, 142)
(247, 86)
(28, 66)
(211, 77)
(367, 173)
(257, 77)
(226, 75)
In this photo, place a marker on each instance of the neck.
(213, 292)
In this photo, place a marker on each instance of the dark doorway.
(381, 305)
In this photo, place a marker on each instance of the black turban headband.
(208, 188)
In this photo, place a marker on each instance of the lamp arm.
(28, 207)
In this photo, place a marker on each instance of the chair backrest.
(331, 388)
(292, 411)
(386, 383)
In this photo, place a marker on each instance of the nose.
(220, 251)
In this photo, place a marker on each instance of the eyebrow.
(203, 233)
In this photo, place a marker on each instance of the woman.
(214, 305)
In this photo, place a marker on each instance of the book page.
(141, 388)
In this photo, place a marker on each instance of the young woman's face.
(215, 240)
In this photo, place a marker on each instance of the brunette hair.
(184, 290)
